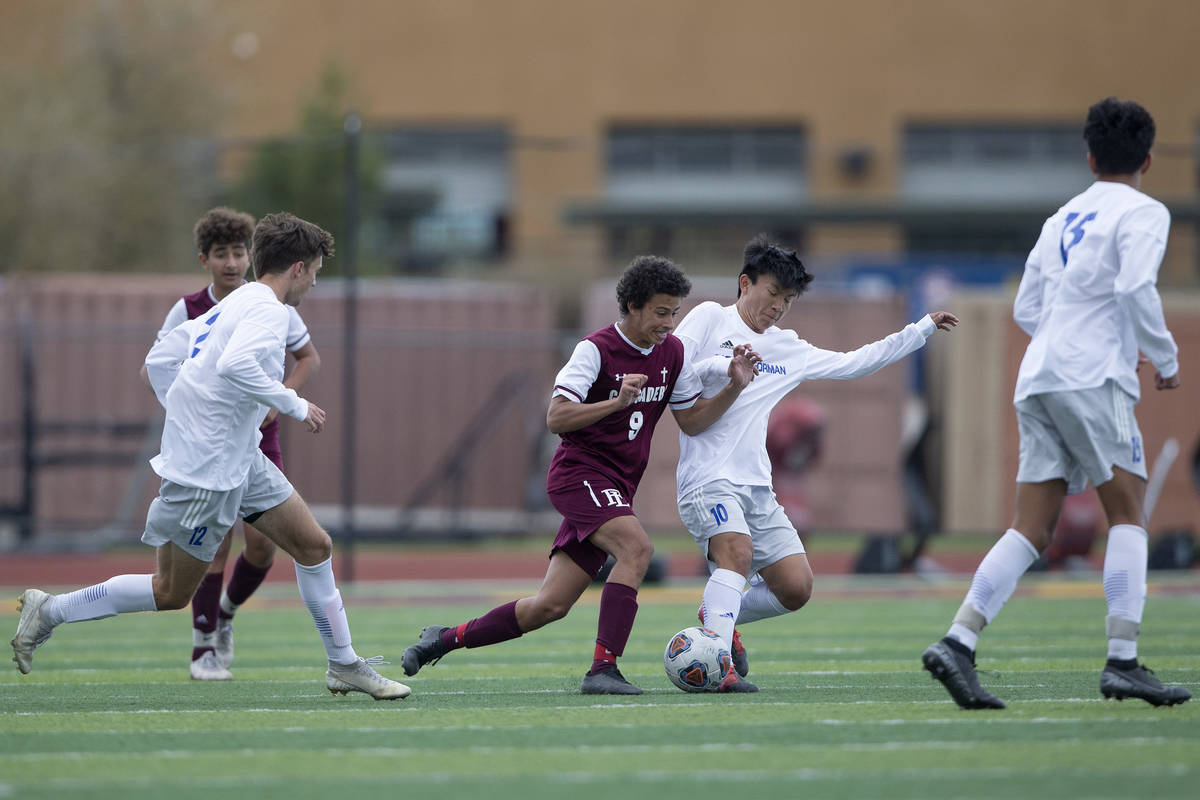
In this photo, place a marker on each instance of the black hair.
(647, 276)
(763, 258)
(1119, 135)
(222, 225)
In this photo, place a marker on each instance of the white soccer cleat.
(224, 643)
(361, 677)
(32, 629)
(209, 668)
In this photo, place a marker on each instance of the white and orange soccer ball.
(696, 660)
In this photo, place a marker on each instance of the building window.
(446, 194)
(705, 165)
(691, 192)
(994, 162)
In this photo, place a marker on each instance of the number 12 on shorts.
(198, 535)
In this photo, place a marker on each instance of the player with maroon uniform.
(605, 405)
(223, 247)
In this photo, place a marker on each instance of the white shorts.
(197, 519)
(1079, 436)
(723, 507)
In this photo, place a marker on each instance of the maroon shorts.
(585, 508)
(270, 444)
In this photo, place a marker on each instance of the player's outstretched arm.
(870, 358)
(707, 410)
(564, 416)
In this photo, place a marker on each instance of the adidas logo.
(727, 345)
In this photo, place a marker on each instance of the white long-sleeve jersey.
(734, 448)
(216, 376)
(297, 337)
(1088, 297)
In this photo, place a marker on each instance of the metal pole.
(26, 331)
(348, 255)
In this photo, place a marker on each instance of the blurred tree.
(108, 146)
(305, 173)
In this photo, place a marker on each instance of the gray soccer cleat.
(427, 650)
(208, 667)
(607, 681)
(224, 643)
(32, 629)
(361, 677)
(956, 671)
(1140, 682)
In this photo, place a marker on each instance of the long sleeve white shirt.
(734, 448)
(297, 335)
(1088, 298)
(216, 376)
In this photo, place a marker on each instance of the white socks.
(228, 607)
(994, 582)
(1124, 588)
(759, 602)
(121, 594)
(324, 602)
(722, 602)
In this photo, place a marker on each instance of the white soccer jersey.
(734, 448)
(216, 375)
(1088, 296)
(297, 335)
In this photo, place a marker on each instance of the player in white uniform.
(724, 476)
(1089, 303)
(223, 238)
(217, 375)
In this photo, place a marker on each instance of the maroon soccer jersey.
(617, 447)
(199, 302)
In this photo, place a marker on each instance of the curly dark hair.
(1119, 135)
(647, 276)
(222, 225)
(763, 258)
(282, 239)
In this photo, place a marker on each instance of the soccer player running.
(223, 246)
(1089, 303)
(217, 376)
(724, 476)
(605, 405)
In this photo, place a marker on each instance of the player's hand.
(630, 386)
(315, 421)
(943, 319)
(272, 414)
(1161, 383)
(743, 366)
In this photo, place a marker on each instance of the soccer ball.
(696, 660)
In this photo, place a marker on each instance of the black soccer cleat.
(1139, 681)
(956, 671)
(607, 681)
(427, 650)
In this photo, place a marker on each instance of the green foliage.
(107, 144)
(306, 173)
(845, 710)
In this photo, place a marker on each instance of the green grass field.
(845, 710)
